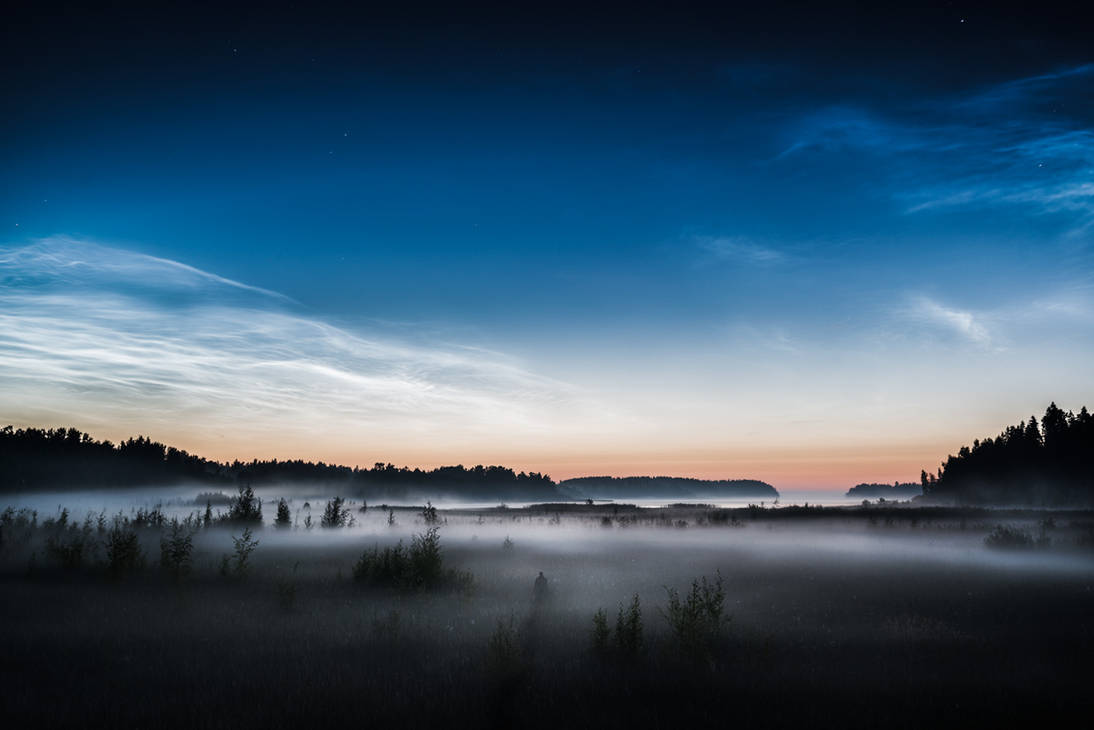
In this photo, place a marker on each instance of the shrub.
(385, 567)
(15, 525)
(1008, 537)
(336, 514)
(11, 517)
(245, 508)
(176, 550)
(628, 628)
(239, 565)
(697, 619)
(123, 551)
(148, 518)
(426, 563)
(601, 634)
(417, 567)
(429, 514)
(284, 519)
(508, 544)
(67, 548)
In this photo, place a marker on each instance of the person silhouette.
(539, 590)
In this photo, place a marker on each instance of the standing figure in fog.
(539, 590)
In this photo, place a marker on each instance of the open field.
(850, 617)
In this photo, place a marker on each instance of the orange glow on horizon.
(802, 468)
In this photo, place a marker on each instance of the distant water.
(786, 499)
(180, 501)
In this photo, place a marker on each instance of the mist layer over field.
(877, 612)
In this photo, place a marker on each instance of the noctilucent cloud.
(811, 248)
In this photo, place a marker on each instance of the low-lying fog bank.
(869, 613)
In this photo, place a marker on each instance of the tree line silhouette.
(1031, 463)
(896, 490)
(660, 487)
(35, 458)
(66, 458)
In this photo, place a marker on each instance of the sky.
(815, 247)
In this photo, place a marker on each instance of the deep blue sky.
(680, 212)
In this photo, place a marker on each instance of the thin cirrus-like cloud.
(1062, 314)
(1027, 142)
(741, 250)
(94, 334)
(963, 323)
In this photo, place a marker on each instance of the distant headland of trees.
(67, 459)
(1050, 463)
(666, 487)
(896, 490)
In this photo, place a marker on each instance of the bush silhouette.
(239, 564)
(601, 634)
(628, 629)
(418, 567)
(1008, 537)
(176, 549)
(245, 508)
(67, 548)
(123, 551)
(697, 618)
(284, 519)
(335, 514)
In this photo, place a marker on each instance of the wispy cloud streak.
(1027, 142)
(1016, 324)
(741, 250)
(102, 335)
(963, 323)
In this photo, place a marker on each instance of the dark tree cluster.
(61, 458)
(1031, 463)
(65, 458)
(896, 490)
(390, 481)
(661, 487)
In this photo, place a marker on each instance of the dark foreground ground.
(835, 622)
